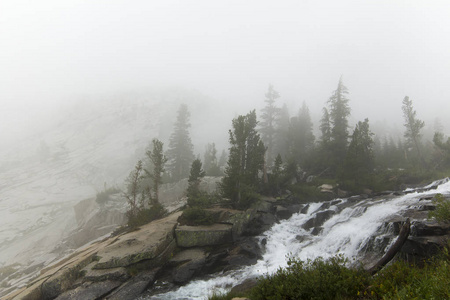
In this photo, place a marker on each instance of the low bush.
(442, 212)
(146, 215)
(195, 216)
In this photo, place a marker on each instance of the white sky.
(230, 50)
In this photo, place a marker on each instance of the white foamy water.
(344, 233)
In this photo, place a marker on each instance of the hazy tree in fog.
(443, 149)
(222, 160)
(158, 160)
(359, 162)
(268, 122)
(413, 126)
(339, 110)
(301, 137)
(180, 153)
(282, 133)
(245, 160)
(210, 160)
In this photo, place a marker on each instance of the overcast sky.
(230, 50)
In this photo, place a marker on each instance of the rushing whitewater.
(347, 232)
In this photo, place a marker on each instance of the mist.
(54, 53)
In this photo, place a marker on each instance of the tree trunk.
(402, 236)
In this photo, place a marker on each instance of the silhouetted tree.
(180, 154)
(133, 181)
(245, 160)
(413, 127)
(195, 176)
(301, 137)
(339, 111)
(359, 162)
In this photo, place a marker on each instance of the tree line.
(280, 149)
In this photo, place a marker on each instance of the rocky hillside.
(93, 145)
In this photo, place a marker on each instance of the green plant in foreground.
(313, 279)
(442, 212)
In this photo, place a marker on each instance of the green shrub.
(313, 279)
(194, 216)
(442, 212)
(103, 196)
(200, 199)
(146, 215)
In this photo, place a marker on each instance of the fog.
(55, 52)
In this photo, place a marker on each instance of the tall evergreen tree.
(413, 127)
(158, 160)
(180, 154)
(325, 128)
(245, 160)
(268, 123)
(339, 111)
(359, 162)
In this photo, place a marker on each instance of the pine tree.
(413, 127)
(268, 124)
(245, 160)
(180, 153)
(195, 176)
(158, 160)
(359, 162)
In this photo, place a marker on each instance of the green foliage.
(195, 176)
(200, 199)
(403, 281)
(246, 159)
(442, 212)
(103, 196)
(313, 279)
(359, 161)
(180, 152)
(146, 215)
(339, 110)
(195, 216)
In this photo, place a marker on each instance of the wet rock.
(305, 209)
(316, 230)
(429, 229)
(114, 274)
(90, 291)
(319, 219)
(245, 286)
(200, 236)
(133, 288)
(283, 213)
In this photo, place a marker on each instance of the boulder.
(146, 243)
(200, 236)
(90, 291)
(133, 288)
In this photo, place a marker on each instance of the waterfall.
(346, 232)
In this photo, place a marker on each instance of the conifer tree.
(180, 154)
(282, 138)
(158, 160)
(268, 124)
(245, 160)
(413, 127)
(339, 112)
(359, 161)
(301, 137)
(133, 181)
(195, 176)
